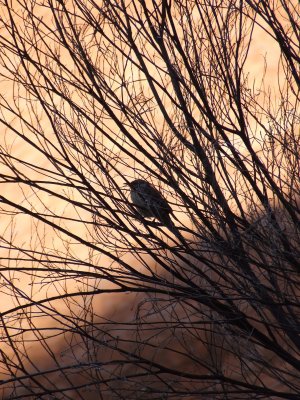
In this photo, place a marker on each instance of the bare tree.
(98, 301)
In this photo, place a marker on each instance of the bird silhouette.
(150, 203)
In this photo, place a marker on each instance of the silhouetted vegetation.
(99, 302)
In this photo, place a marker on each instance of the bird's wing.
(156, 199)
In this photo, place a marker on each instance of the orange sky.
(263, 49)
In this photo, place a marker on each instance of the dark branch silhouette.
(192, 291)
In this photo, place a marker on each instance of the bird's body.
(150, 203)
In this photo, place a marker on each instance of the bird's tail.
(172, 228)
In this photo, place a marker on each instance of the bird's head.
(135, 184)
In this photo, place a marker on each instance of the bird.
(150, 203)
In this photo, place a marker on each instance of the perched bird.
(150, 203)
